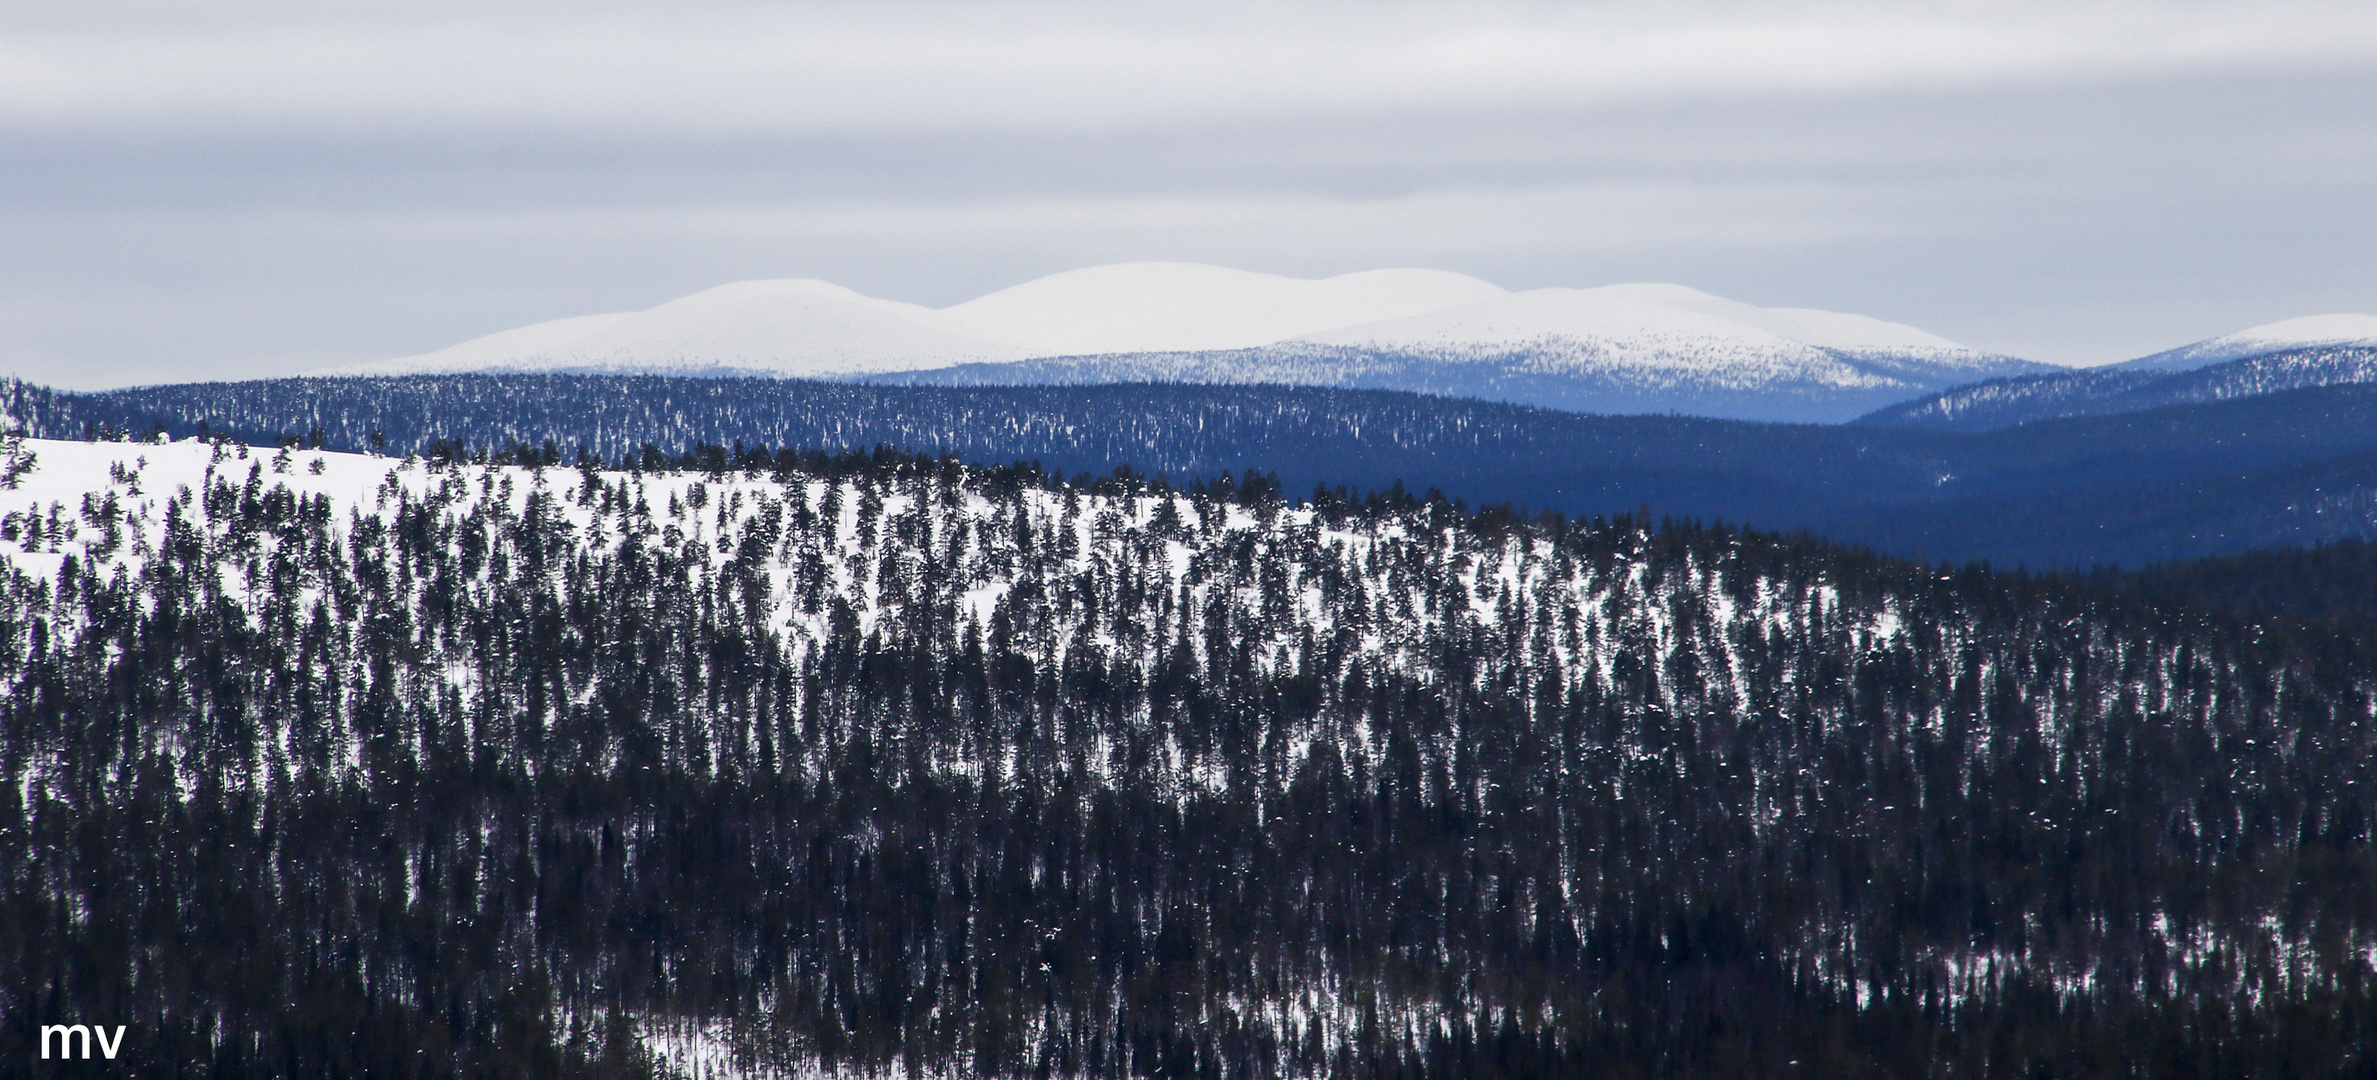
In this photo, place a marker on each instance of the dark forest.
(886, 763)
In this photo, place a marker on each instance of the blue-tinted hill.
(2023, 399)
(2291, 468)
(1568, 378)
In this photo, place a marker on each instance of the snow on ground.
(106, 505)
(72, 483)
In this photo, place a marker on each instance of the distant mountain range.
(1619, 349)
(2325, 350)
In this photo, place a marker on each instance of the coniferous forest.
(787, 764)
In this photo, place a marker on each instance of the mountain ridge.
(1571, 375)
(1637, 348)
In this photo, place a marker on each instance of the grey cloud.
(952, 67)
(2054, 194)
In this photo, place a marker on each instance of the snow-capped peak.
(2309, 331)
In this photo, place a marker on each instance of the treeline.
(434, 768)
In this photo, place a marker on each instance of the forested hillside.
(2323, 588)
(2023, 399)
(2284, 469)
(1573, 375)
(328, 764)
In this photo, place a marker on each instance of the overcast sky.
(235, 188)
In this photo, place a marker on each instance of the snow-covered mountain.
(805, 328)
(795, 328)
(1620, 348)
(1660, 329)
(1616, 349)
(1178, 307)
(2284, 335)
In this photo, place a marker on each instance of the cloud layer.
(236, 189)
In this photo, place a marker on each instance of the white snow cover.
(508, 346)
(1550, 313)
(1583, 329)
(1179, 307)
(1824, 329)
(2305, 332)
(813, 328)
(799, 327)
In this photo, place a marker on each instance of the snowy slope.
(2308, 331)
(1179, 307)
(1824, 329)
(795, 328)
(1628, 322)
(1573, 330)
(500, 349)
